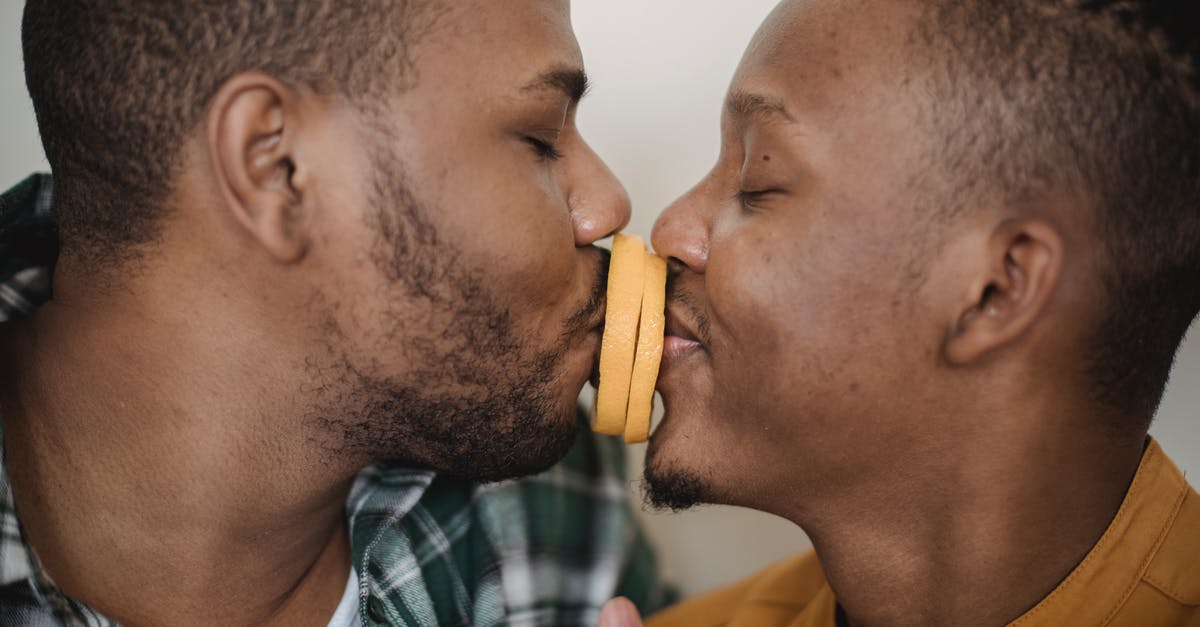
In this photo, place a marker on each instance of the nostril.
(675, 266)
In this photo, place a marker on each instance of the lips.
(680, 338)
(597, 331)
(589, 319)
(590, 316)
(678, 325)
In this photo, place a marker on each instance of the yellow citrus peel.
(626, 274)
(631, 349)
(649, 350)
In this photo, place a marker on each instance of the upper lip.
(591, 316)
(678, 326)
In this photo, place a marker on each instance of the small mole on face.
(766, 157)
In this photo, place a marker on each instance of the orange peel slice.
(648, 356)
(617, 347)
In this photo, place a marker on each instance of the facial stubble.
(670, 485)
(476, 399)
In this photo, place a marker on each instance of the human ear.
(1017, 274)
(252, 126)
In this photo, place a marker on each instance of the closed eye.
(546, 151)
(751, 199)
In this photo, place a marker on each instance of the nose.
(599, 203)
(682, 232)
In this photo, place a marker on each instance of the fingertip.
(620, 612)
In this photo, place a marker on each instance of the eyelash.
(545, 151)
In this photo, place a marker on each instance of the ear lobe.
(251, 129)
(1022, 269)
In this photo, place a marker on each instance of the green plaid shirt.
(428, 549)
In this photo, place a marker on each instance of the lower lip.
(675, 347)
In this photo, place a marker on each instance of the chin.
(513, 456)
(672, 484)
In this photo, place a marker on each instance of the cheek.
(761, 292)
(539, 269)
(530, 252)
(815, 335)
(760, 307)
(516, 232)
(787, 325)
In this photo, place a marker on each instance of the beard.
(475, 401)
(671, 488)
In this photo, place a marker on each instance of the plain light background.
(660, 71)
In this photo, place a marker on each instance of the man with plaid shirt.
(286, 242)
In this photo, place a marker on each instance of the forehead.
(485, 41)
(850, 107)
(821, 57)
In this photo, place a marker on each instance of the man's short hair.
(1097, 101)
(118, 85)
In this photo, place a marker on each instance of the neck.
(978, 538)
(159, 468)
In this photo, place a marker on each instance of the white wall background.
(660, 70)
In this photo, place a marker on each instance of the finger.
(620, 612)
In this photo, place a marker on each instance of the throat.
(318, 595)
(164, 517)
(984, 554)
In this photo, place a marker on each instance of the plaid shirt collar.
(429, 549)
(27, 596)
(16, 561)
(28, 246)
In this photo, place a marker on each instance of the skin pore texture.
(332, 287)
(902, 385)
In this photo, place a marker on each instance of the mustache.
(686, 303)
(587, 315)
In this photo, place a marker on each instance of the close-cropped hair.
(117, 86)
(1097, 101)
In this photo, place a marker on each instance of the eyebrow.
(571, 81)
(744, 105)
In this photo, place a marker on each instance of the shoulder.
(1175, 568)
